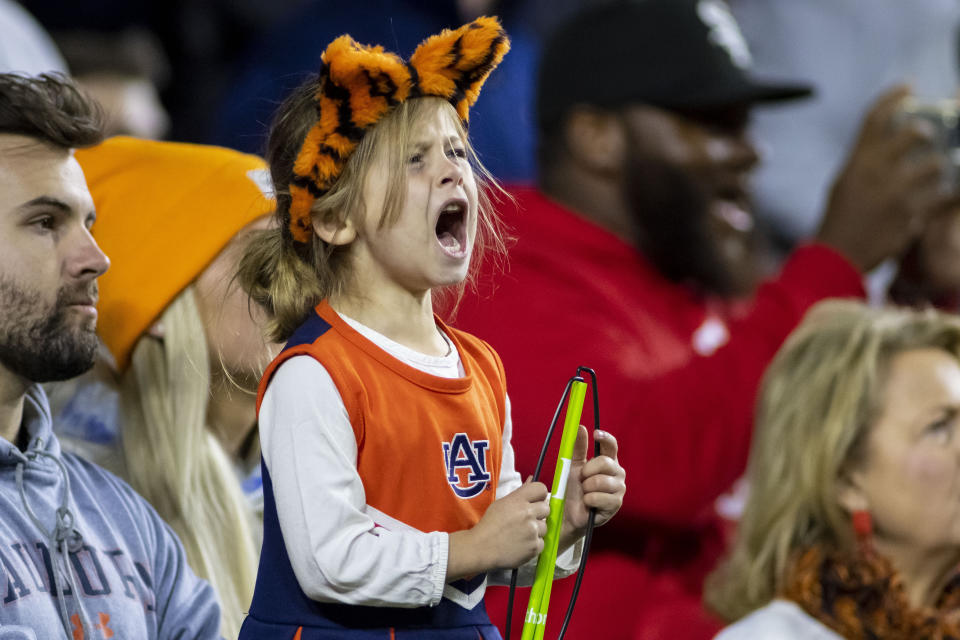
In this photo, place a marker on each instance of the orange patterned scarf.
(863, 598)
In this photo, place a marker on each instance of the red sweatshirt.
(677, 380)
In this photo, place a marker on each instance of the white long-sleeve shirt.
(336, 548)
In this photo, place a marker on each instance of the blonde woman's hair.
(174, 461)
(288, 279)
(817, 401)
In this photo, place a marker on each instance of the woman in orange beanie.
(170, 413)
(389, 487)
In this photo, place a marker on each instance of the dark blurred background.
(212, 71)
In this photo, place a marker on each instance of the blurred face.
(910, 477)
(686, 180)
(430, 243)
(131, 104)
(49, 263)
(233, 326)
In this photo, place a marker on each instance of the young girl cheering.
(390, 492)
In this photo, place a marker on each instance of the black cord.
(591, 520)
(513, 592)
(596, 404)
(553, 426)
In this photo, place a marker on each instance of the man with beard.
(635, 257)
(82, 555)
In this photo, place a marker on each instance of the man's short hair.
(51, 109)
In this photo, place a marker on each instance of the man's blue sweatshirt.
(82, 556)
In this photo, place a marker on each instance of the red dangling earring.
(863, 530)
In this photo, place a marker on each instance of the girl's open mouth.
(452, 228)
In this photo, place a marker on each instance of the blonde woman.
(169, 413)
(852, 528)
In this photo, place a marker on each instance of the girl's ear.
(334, 232)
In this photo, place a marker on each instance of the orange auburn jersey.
(429, 448)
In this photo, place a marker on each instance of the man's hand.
(892, 184)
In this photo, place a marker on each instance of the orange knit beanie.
(164, 212)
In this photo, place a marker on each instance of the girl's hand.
(599, 483)
(509, 534)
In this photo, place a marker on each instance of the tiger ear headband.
(361, 84)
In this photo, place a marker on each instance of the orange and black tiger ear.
(360, 84)
(455, 64)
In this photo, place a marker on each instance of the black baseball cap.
(673, 54)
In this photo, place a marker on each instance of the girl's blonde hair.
(173, 459)
(817, 402)
(287, 278)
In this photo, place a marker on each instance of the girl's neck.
(925, 573)
(403, 317)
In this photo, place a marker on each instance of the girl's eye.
(416, 158)
(458, 152)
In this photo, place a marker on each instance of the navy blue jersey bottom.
(280, 607)
(253, 628)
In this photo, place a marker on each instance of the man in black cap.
(634, 256)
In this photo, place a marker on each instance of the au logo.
(466, 463)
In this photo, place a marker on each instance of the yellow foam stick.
(535, 621)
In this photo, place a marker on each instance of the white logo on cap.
(724, 31)
(261, 178)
